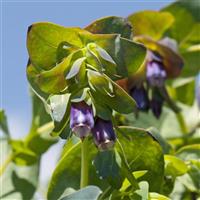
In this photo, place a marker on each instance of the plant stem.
(84, 163)
(182, 123)
(5, 164)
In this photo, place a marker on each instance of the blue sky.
(17, 16)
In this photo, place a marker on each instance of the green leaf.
(166, 147)
(187, 10)
(191, 61)
(192, 40)
(156, 196)
(191, 180)
(3, 123)
(19, 182)
(59, 105)
(143, 152)
(189, 152)
(75, 68)
(52, 81)
(39, 140)
(89, 192)
(22, 154)
(127, 55)
(64, 170)
(182, 90)
(132, 55)
(107, 164)
(113, 95)
(43, 40)
(104, 55)
(60, 108)
(174, 166)
(141, 193)
(136, 174)
(109, 25)
(151, 23)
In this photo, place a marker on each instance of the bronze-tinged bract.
(81, 119)
(172, 62)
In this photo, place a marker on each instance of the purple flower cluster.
(149, 96)
(82, 124)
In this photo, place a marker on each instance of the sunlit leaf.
(156, 196)
(143, 152)
(189, 152)
(19, 182)
(59, 104)
(183, 90)
(151, 23)
(186, 15)
(174, 166)
(43, 40)
(75, 68)
(89, 192)
(109, 25)
(114, 97)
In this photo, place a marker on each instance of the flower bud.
(141, 97)
(156, 105)
(104, 135)
(81, 119)
(156, 74)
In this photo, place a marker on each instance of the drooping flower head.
(162, 62)
(81, 119)
(156, 74)
(140, 95)
(103, 133)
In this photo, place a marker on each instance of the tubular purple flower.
(104, 135)
(156, 74)
(156, 105)
(81, 119)
(141, 97)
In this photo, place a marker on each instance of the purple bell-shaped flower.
(141, 97)
(81, 119)
(104, 135)
(155, 74)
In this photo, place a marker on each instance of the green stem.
(84, 163)
(6, 163)
(182, 123)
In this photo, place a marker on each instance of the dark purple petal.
(81, 119)
(156, 74)
(156, 105)
(141, 97)
(104, 135)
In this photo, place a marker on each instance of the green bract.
(87, 86)
(69, 60)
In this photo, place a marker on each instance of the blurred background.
(16, 16)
